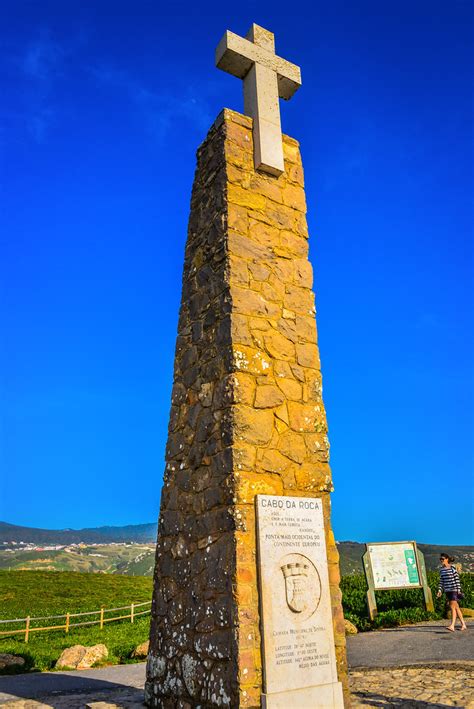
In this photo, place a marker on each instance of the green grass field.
(41, 593)
(35, 593)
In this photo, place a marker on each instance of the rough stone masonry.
(247, 417)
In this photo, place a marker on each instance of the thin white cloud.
(159, 110)
(42, 59)
(36, 67)
(39, 123)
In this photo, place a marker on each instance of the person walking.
(450, 583)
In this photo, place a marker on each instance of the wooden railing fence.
(30, 626)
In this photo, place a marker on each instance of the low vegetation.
(397, 607)
(40, 593)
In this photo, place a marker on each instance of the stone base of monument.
(327, 696)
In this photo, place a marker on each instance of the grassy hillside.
(35, 593)
(128, 559)
(39, 593)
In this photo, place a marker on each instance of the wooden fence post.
(132, 612)
(101, 617)
(27, 628)
(67, 622)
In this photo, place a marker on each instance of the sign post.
(394, 565)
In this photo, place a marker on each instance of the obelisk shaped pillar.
(247, 418)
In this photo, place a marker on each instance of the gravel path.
(415, 667)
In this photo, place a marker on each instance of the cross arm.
(236, 56)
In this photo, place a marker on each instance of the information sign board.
(394, 565)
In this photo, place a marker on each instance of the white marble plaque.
(298, 641)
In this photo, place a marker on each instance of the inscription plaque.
(299, 662)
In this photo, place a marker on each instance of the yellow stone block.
(249, 484)
(278, 215)
(246, 574)
(291, 153)
(305, 417)
(292, 445)
(317, 443)
(294, 197)
(282, 370)
(295, 174)
(293, 244)
(268, 187)
(303, 273)
(306, 327)
(240, 135)
(268, 396)
(273, 461)
(277, 285)
(301, 300)
(243, 594)
(282, 413)
(251, 303)
(241, 245)
(241, 334)
(290, 388)
(244, 458)
(245, 198)
(313, 476)
(307, 354)
(244, 388)
(280, 426)
(283, 269)
(236, 156)
(239, 176)
(259, 271)
(279, 346)
(248, 359)
(253, 425)
(238, 270)
(301, 225)
(237, 218)
(314, 383)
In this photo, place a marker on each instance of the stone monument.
(246, 606)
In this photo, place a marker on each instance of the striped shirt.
(449, 579)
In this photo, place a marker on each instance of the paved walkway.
(410, 645)
(414, 667)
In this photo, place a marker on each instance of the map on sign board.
(394, 565)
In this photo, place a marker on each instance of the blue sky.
(103, 106)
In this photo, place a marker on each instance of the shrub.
(397, 607)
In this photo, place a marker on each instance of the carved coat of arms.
(296, 576)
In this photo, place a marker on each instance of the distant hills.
(93, 535)
(23, 547)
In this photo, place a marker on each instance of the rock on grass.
(80, 657)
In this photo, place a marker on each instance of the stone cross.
(266, 77)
